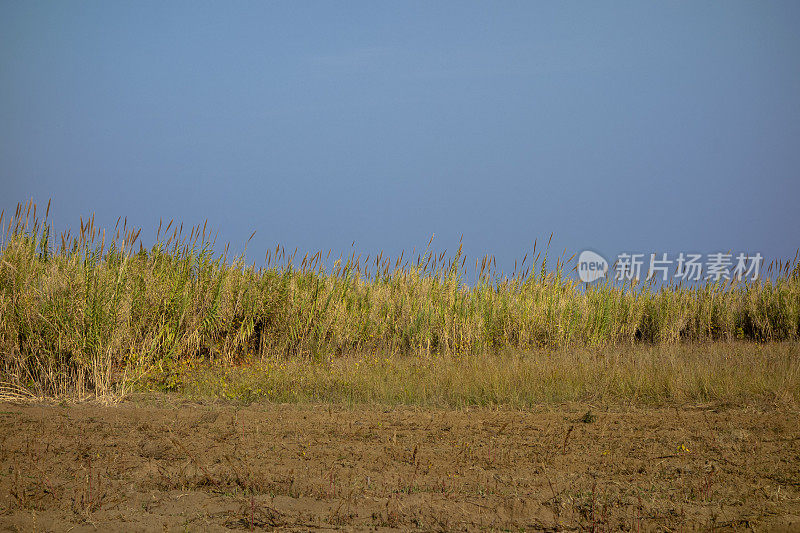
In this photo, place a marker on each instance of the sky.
(615, 126)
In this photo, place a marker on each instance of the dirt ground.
(162, 463)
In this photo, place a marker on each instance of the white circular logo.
(591, 266)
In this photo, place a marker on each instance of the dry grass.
(732, 373)
(89, 315)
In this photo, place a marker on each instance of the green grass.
(95, 312)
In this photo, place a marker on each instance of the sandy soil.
(162, 463)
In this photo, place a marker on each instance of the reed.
(94, 311)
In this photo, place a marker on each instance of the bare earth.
(161, 463)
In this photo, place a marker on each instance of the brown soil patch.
(163, 464)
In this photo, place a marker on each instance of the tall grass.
(94, 310)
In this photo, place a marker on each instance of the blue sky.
(619, 126)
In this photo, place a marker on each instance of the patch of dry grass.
(737, 373)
